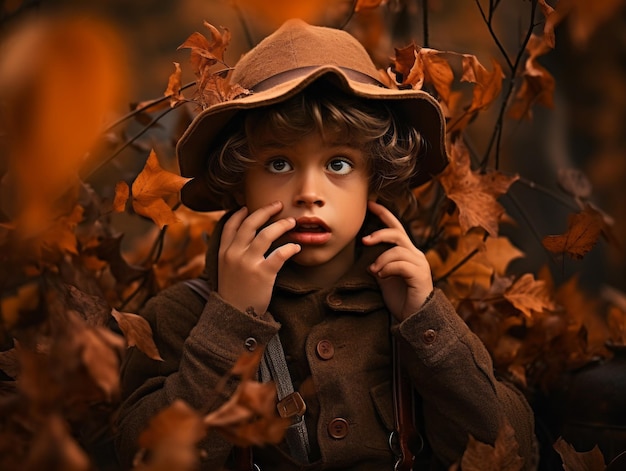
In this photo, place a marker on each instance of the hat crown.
(298, 45)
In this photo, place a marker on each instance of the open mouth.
(310, 228)
(310, 231)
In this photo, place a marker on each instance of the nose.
(309, 190)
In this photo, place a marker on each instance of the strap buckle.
(291, 405)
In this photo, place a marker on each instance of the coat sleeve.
(453, 373)
(199, 344)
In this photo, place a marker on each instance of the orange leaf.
(502, 456)
(499, 252)
(528, 295)
(430, 67)
(138, 333)
(475, 194)
(171, 438)
(537, 84)
(205, 53)
(174, 85)
(122, 193)
(487, 85)
(575, 461)
(150, 188)
(583, 231)
(249, 417)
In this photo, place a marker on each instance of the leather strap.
(406, 436)
(274, 367)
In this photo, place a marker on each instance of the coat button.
(325, 349)
(338, 428)
(429, 336)
(250, 343)
(334, 300)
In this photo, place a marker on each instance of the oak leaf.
(499, 253)
(529, 295)
(579, 461)
(502, 456)
(171, 438)
(537, 83)
(475, 194)
(137, 332)
(419, 66)
(151, 187)
(122, 193)
(204, 52)
(487, 85)
(583, 231)
(174, 85)
(460, 266)
(249, 417)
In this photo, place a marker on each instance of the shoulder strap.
(274, 367)
(407, 442)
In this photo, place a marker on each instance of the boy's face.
(324, 185)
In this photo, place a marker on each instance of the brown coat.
(448, 364)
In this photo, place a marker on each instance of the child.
(309, 164)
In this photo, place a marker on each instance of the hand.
(402, 272)
(245, 276)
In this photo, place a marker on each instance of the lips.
(310, 231)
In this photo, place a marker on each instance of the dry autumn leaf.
(529, 295)
(583, 231)
(54, 449)
(537, 83)
(137, 332)
(150, 189)
(502, 456)
(170, 439)
(475, 194)
(174, 85)
(616, 321)
(249, 417)
(575, 461)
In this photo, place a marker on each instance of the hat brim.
(418, 108)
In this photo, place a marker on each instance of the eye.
(340, 166)
(278, 166)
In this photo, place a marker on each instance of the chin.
(306, 259)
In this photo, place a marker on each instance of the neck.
(325, 274)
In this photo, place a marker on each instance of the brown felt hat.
(282, 65)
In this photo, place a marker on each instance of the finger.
(385, 215)
(247, 231)
(392, 236)
(280, 255)
(396, 254)
(398, 268)
(231, 227)
(268, 235)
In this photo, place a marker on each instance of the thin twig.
(530, 224)
(488, 22)
(138, 110)
(496, 137)
(127, 143)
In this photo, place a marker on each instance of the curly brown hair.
(393, 150)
